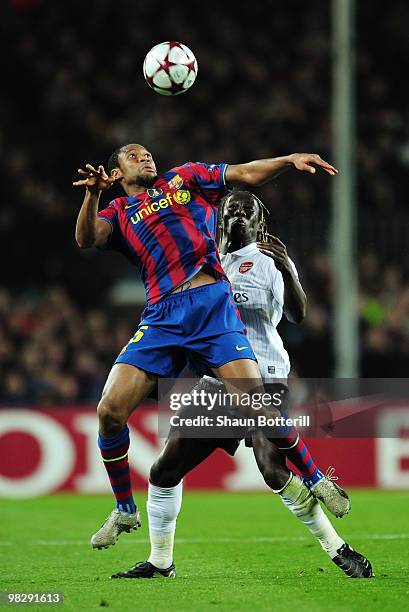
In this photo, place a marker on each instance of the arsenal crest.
(176, 182)
(245, 267)
(154, 193)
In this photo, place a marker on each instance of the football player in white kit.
(265, 284)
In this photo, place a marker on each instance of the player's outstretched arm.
(90, 229)
(263, 170)
(295, 300)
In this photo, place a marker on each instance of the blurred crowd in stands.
(52, 351)
(73, 91)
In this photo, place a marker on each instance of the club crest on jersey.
(154, 193)
(182, 196)
(176, 182)
(245, 267)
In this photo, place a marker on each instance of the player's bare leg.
(178, 458)
(126, 387)
(270, 462)
(242, 376)
(290, 443)
(301, 502)
(239, 368)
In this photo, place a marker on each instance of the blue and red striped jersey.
(169, 231)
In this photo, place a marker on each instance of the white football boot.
(115, 524)
(334, 498)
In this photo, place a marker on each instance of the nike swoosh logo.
(130, 205)
(241, 348)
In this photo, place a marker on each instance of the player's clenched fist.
(94, 180)
(277, 250)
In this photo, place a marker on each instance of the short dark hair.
(113, 161)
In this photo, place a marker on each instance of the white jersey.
(258, 290)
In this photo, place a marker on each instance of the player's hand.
(275, 249)
(94, 180)
(306, 162)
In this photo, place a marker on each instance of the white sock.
(303, 504)
(163, 507)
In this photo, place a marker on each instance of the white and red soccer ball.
(170, 68)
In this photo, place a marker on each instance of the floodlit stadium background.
(72, 91)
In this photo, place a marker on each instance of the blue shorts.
(199, 328)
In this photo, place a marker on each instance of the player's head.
(132, 164)
(242, 216)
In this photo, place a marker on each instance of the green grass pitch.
(234, 551)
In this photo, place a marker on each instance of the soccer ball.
(170, 68)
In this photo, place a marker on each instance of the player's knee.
(162, 476)
(111, 420)
(156, 475)
(275, 476)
